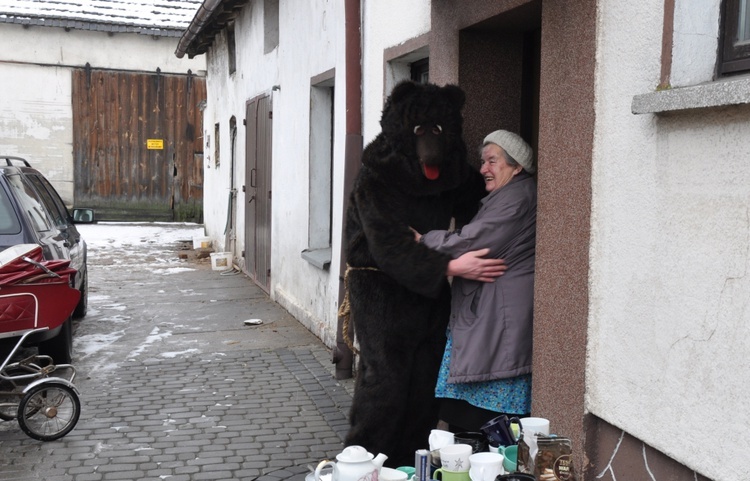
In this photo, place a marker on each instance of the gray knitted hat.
(515, 146)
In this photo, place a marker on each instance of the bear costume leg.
(394, 406)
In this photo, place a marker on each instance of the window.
(736, 37)
(231, 49)
(31, 203)
(9, 223)
(270, 25)
(420, 71)
(216, 145)
(320, 215)
(409, 60)
(59, 215)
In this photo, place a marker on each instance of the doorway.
(499, 68)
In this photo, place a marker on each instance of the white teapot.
(354, 463)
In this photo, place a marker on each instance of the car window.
(9, 223)
(56, 198)
(58, 216)
(30, 202)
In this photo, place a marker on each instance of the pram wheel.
(49, 411)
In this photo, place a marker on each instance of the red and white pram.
(36, 297)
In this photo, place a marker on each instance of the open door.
(257, 191)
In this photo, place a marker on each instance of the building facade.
(89, 137)
(639, 117)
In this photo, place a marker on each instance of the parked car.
(32, 212)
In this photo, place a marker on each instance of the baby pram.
(36, 296)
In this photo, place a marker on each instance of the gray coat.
(492, 323)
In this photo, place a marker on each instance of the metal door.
(257, 190)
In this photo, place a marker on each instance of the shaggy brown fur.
(414, 173)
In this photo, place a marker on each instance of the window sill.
(720, 93)
(320, 258)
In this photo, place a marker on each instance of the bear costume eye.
(420, 130)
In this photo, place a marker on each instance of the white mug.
(455, 457)
(535, 425)
(439, 438)
(485, 466)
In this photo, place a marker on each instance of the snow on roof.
(153, 17)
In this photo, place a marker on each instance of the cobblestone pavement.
(175, 387)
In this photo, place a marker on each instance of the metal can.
(422, 465)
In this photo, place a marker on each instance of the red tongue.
(431, 172)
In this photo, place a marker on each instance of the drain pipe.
(342, 355)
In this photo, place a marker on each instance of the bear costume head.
(421, 147)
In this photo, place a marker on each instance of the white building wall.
(36, 119)
(388, 23)
(311, 42)
(670, 244)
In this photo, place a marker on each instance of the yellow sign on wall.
(155, 144)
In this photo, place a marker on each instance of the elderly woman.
(486, 368)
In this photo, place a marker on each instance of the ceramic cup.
(510, 458)
(535, 425)
(409, 470)
(390, 474)
(455, 457)
(498, 430)
(439, 438)
(478, 441)
(485, 466)
(445, 475)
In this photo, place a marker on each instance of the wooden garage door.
(137, 145)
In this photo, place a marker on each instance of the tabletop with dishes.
(505, 449)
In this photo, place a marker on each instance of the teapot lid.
(354, 454)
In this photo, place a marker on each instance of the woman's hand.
(474, 267)
(417, 235)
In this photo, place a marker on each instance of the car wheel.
(60, 347)
(83, 302)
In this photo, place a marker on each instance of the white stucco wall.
(670, 238)
(382, 30)
(311, 42)
(696, 36)
(35, 101)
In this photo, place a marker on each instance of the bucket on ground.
(221, 261)
(201, 242)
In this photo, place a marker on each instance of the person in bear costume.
(414, 174)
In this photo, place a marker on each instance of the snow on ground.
(123, 234)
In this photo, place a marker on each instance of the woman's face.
(495, 169)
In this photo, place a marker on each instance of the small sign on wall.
(155, 144)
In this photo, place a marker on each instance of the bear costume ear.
(455, 95)
(403, 90)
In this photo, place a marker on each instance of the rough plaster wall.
(669, 258)
(311, 42)
(76, 47)
(387, 23)
(35, 102)
(36, 122)
(696, 36)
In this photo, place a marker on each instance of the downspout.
(342, 354)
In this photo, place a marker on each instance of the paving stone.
(263, 409)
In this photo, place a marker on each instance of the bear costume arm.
(391, 244)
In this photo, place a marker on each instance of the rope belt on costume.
(344, 308)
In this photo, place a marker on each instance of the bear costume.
(414, 174)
